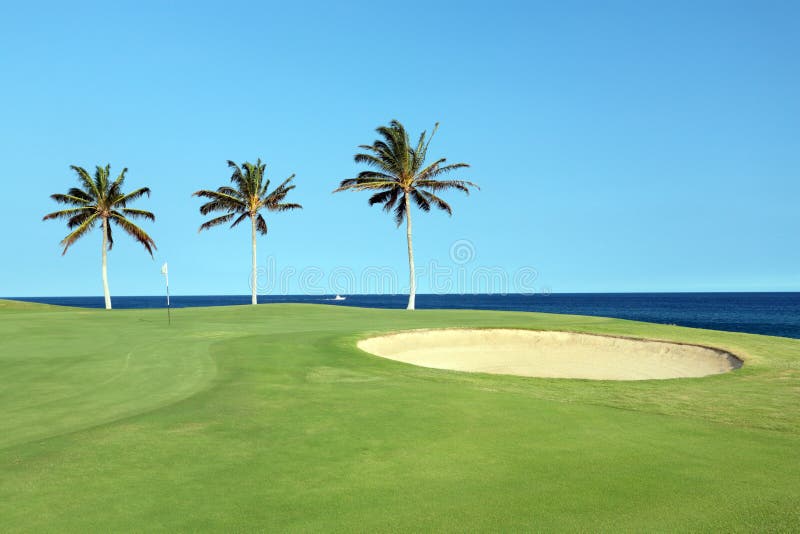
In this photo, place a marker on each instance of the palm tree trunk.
(412, 293)
(106, 293)
(253, 280)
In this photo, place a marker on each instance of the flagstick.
(169, 316)
(165, 272)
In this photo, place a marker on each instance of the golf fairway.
(270, 418)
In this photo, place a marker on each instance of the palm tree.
(100, 200)
(398, 176)
(247, 198)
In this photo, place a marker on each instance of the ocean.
(774, 314)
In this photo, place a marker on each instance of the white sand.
(550, 354)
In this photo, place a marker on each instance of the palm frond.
(135, 232)
(238, 179)
(424, 153)
(444, 185)
(371, 176)
(101, 178)
(400, 212)
(78, 233)
(109, 236)
(357, 185)
(217, 221)
(79, 218)
(430, 173)
(261, 225)
(396, 139)
(87, 181)
(230, 191)
(115, 189)
(387, 207)
(287, 206)
(376, 162)
(220, 202)
(69, 213)
(265, 187)
(70, 200)
(239, 219)
(218, 195)
(137, 214)
(381, 197)
(420, 200)
(278, 194)
(252, 178)
(436, 201)
(421, 145)
(123, 200)
(80, 193)
(389, 143)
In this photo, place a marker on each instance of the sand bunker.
(550, 354)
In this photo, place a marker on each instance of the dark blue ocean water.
(775, 314)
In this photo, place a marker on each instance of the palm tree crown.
(247, 198)
(98, 199)
(397, 170)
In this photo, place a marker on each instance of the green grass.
(268, 418)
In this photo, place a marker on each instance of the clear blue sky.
(620, 146)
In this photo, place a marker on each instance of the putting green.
(270, 418)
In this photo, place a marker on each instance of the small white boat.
(339, 297)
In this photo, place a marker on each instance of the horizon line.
(535, 294)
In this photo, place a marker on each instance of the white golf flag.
(164, 269)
